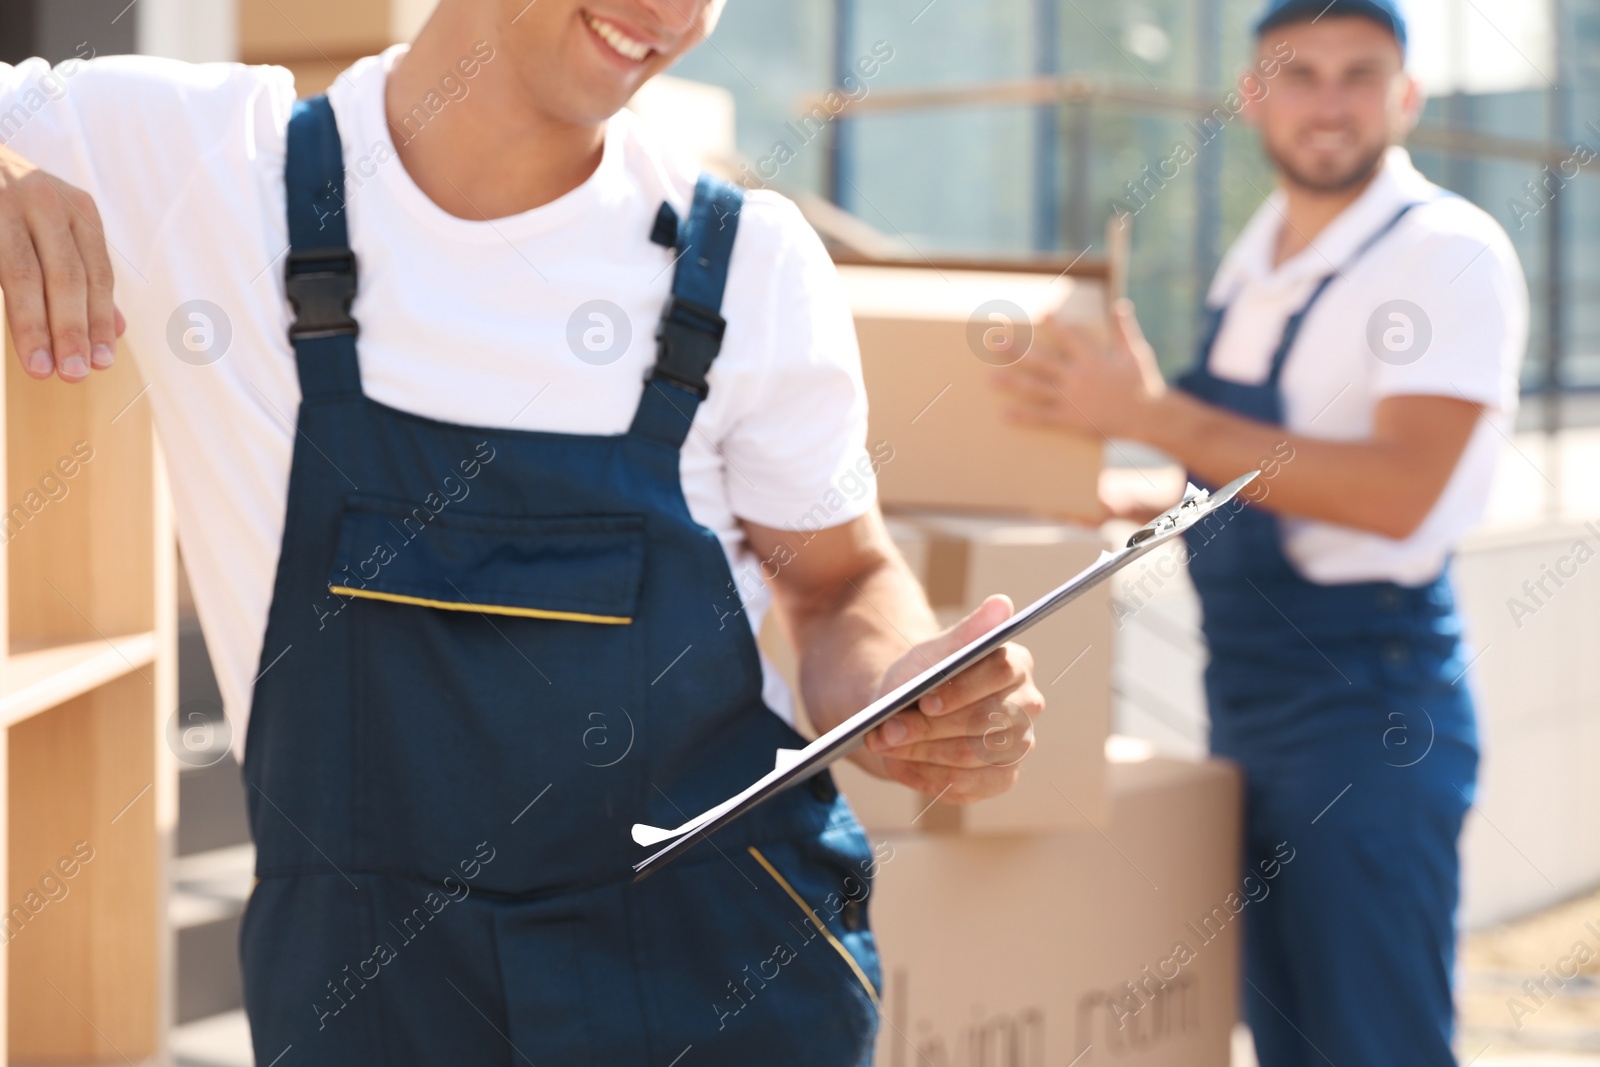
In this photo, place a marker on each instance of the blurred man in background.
(1362, 349)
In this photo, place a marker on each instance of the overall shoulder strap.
(1388, 227)
(690, 333)
(1210, 326)
(1291, 329)
(320, 274)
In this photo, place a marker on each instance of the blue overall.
(499, 649)
(1359, 750)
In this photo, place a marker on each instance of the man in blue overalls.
(477, 631)
(1362, 347)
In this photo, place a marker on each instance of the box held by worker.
(930, 340)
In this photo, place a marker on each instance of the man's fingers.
(66, 285)
(953, 785)
(55, 273)
(908, 729)
(1126, 324)
(102, 312)
(1055, 416)
(999, 671)
(1070, 342)
(1046, 365)
(23, 282)
(1030, 386)
(1003, 743)
(991, 613)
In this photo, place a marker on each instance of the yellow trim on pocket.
(866, 983)
(486, 609)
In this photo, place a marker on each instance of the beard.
(1339, 181)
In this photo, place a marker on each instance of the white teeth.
(620, 42)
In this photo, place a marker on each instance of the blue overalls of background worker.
(469, 581)
(1362, 345)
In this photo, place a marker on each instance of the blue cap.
(1279, 12)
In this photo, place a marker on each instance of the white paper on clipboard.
(791, 766)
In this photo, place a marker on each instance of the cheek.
(693, 21)
(1290, 98)
(1396, 103)
(691, 39)
(709, 14)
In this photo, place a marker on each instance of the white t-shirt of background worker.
(1439, 307)
(462, 321)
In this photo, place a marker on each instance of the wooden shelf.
(88, 684)
(38, 677)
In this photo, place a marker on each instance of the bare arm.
(861, 626)
(56, 273)
(1385, 484)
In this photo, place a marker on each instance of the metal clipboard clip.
(792, 766)
(1196, 504)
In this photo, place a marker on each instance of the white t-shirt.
(1439, 307)
(463, 321)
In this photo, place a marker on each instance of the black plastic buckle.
(688, 339)
(665, 230)
(321, 283)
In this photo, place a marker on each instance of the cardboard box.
(930, 341)
(1064, 948)
(960, 560)
(276, 31)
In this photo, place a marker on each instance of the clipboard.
(793, 766)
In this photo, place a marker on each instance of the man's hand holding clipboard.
(963, 740)
(792, 766)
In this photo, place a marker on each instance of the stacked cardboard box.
(317, 40)
(965, 489)
(961, 559)
(1115, 945)
(1089, 915)
(1028, 929)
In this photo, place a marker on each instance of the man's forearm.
(1385, 484)
(861, 624)
(847, 643)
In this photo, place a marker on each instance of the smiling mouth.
(617, 41)
(1328, 141)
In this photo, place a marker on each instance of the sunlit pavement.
(1491, 1056)
(219, 1041)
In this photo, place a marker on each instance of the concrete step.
(221, 1040)
(211, 807)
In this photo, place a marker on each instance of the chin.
(1330, 176)
(585, 97)
(589, 108)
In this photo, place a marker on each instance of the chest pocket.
(492, 656)
(580, 569)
